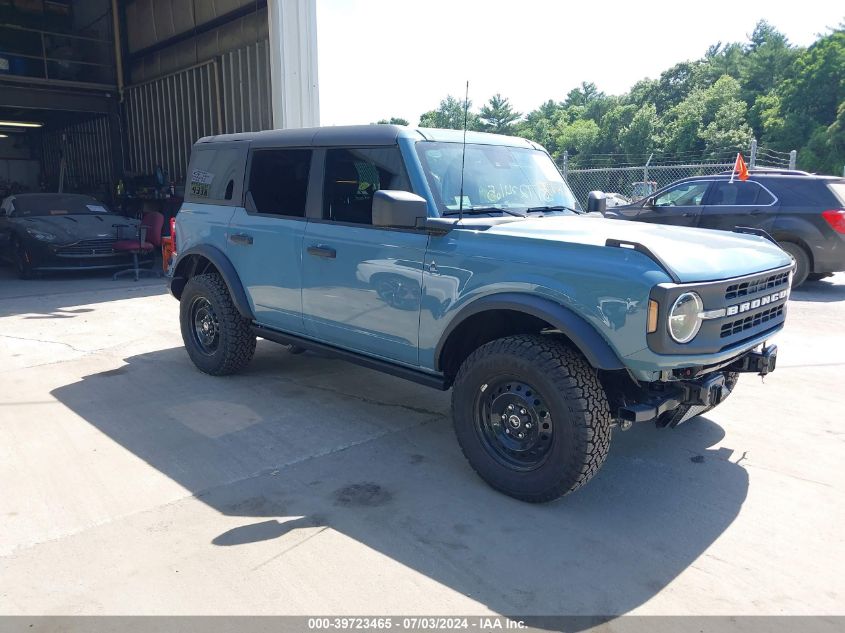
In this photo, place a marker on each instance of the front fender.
(584, 336)
(195, 260)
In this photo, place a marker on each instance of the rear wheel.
(531, 417)
(801, 259)
(218, 339)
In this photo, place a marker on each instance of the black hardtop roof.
(379, 134)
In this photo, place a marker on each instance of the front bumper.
(51, 258)
(704, 392)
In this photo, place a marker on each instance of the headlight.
(41, 235)
(685, 317)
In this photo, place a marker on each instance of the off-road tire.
(236, 343)
(576, 403)
(802, 262)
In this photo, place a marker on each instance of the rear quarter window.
(216, 174)
(801, 192)
(838, 189)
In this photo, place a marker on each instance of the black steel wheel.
(206, 326)
(514, 423)
(217, 337)
(531, 417)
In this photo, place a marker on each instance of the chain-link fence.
(632, 182)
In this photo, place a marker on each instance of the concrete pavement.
(130, 483)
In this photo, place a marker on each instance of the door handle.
(320, 250)
(241, 238)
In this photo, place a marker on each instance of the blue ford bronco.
(469, 265)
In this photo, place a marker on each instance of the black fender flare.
(224, 266)
(584, 336)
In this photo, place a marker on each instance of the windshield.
(46, 204)
(494, 176)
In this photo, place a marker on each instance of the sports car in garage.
(42, 232)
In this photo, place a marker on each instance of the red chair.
(147, 240)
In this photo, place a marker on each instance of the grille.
(754, 286)
(100, 246)
(751, 321)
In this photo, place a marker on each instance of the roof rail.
(771, 171)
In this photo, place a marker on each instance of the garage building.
(106, 97)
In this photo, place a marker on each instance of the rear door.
(265, 236)
(738, 203)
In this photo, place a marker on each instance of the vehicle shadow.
(299, 443)
(822, 291)
(57, 296)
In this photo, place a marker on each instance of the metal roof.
(363, 135)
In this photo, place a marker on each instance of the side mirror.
(649, 202)
(596, 202)
(398, 209)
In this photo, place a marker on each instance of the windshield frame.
(495, 207)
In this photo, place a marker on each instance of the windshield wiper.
(481, 210)
(556, 207)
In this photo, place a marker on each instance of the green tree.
(812, 96)
(579, 137)
(450, 115)
(582, 95)
(768, 59)
(394, 120)
(639, 137)
(498, 116)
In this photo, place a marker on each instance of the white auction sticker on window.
(97, 208)
(201, 183)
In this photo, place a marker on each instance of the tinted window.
(801, 191)
(215, 175)
(739, 193)
(684, 195)
(278, 181)
(352, 178)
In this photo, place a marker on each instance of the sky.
(384, 58)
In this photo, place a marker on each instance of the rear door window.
(739, 193)
(278, 181)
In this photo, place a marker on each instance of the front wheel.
(531, 417)
(22, 260)
(218, 339)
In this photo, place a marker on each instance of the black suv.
(803, 212)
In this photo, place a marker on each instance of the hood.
(694, 255)
(73, 228)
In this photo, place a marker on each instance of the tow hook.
(762, 362)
